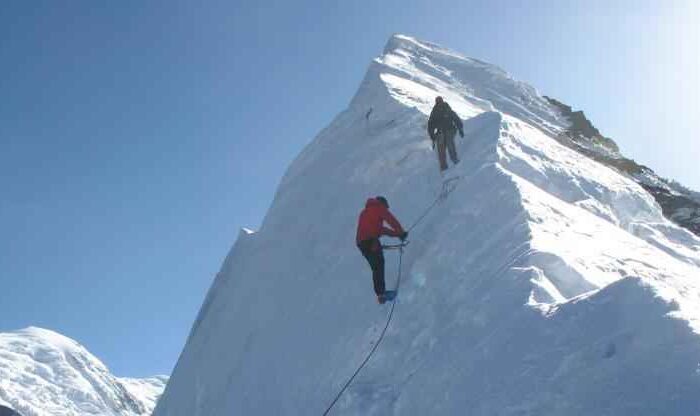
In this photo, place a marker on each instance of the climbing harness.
(379, 340)
(443, 194)
(395, 246)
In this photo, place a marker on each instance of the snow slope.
(43, 373)
(678, 203)
(544, 283)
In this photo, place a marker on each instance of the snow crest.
(43, 373)
(544, 284)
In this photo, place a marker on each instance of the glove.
(404, 236)
(461, 133)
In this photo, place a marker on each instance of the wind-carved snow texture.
(43, 373)
(544, 284)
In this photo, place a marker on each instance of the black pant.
(446, 141)
(372, 250)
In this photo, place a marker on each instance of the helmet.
(438, 100)
(382, 200)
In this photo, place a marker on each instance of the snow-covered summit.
(544, 283)
(43, 373)
(409, 65)
(415, 71)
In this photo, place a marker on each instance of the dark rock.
(676, 202)
(673, 203)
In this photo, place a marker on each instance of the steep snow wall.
(543, 284)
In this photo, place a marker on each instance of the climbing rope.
(376, 344)
(399, 247)
(443, 194)
(425, 213)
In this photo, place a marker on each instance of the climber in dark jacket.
(370, 226)
(443, 124)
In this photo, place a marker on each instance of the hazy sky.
(136, 137)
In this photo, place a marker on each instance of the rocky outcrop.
(678, 204)
(679, 208)
(582, 130)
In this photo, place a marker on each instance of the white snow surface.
(43, 373)
(544, 284)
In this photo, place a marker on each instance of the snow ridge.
(44, 373)
(546, 283)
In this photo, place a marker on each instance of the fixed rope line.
(399, 247)
(376, 344)
(426, 212)
(443, 195)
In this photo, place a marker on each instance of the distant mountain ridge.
(679, 204)
(43, 373)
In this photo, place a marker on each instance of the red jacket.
(371, 222)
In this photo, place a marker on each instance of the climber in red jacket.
(370, 226)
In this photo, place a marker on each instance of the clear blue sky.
(136, 137)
